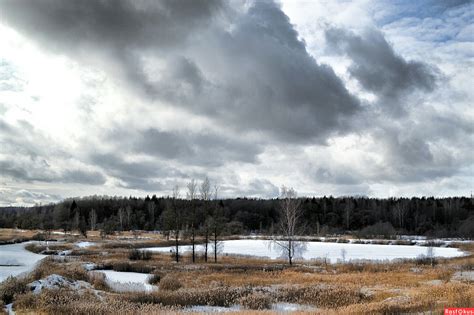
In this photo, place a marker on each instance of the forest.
(360, 216)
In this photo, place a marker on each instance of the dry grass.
(11, 287)
(70, 270)
(16, 234)
(322, 295)
(69, 302)
(254, 283)
(256, 301)
(218, 296)
(170, 283)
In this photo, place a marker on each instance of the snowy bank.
(127, 281)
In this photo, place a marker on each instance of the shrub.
(48, 266)
(256, 301)
(136, 254)
(10, 287)
(426, 260)
(135, 267)
(221, 296)
(155, 278)
(170, 283)
(322, 296)
(40, 237)
(97, 279)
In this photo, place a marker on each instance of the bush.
(135, 267)
(97, 279)
(221, 296)
(155, 278)
(322, 296)
(170, 283)
(10, 287)
(47, 267)
(136, 254)
(256, 301)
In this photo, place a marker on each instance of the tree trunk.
(289, 252)
(192, 241)
(177, 244)
(207, 242)
(215, 245)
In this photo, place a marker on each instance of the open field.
(235, 284)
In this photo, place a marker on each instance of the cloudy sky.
(330, 97)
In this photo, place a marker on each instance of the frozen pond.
(324, 250)
(15, 260)
(127, 281)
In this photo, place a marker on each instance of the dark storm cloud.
(194, 148)
(136, 175)
(38, 170)
(110, 25)
(379, 69)
(263, 78)
(26, 154)
(245, 68)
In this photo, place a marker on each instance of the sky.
(330, 97)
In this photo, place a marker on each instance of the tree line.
(196, 211)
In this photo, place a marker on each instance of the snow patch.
(89, 266)
(128, 281)
(84, 244)
(55, 281)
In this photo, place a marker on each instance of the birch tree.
(205, 191)
(191, 195)
(176, 220)
(217, 223)
(290, 212)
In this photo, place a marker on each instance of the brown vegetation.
(253, 283)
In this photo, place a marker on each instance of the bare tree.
(191, 194)
(349, 207)
(216, 224)
(121, 215)
(151, 214)
(93, 219)
(290, 214)
(400, 211)
(205, 190)
(176, 220)
(128, 210)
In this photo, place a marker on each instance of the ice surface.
(21, 259)
(324, 250)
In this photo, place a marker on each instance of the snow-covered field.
(127, 281)
(15, 260)
(321, 250)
